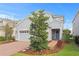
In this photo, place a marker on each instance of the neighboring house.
(75, 30)
(55, 28)
(3, 22)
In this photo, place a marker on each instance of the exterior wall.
(57, 23)
(2, 33)
(24, 25)
(75, 30)
(10, 23)
(3, 22)
(49, 34)
(54, 23)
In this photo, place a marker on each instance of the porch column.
(61, 34)
(18, 36)
(49, 34)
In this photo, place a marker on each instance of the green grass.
(1, 42)
(20, 54)
(68, 50)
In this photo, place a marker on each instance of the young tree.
(66, 34)
(38, 29)
(8, 32)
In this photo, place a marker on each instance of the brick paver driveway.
(12, 48)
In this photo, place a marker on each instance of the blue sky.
(21, 10)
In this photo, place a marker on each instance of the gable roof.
(56, 16)
(20, 21)
(53, 16)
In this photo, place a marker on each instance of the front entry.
(55, 34)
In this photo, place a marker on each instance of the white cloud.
(7, 16)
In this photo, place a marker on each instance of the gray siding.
(53, 23)
(75, 30)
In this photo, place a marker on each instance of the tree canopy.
(38, 29)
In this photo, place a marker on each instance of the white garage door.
(24, 35)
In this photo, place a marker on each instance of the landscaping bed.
(49, 51)
(4, 42)
(69, 49)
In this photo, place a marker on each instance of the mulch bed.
(57, 48)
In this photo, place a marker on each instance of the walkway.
(52, 44)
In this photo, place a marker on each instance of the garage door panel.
(24, 36)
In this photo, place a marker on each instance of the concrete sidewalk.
(52, 44)
(12, 48)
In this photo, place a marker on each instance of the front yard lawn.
(70, 49)
(20, 54)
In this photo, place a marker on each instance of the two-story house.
(55, 28)
(3, 22)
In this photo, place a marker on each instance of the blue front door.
(55, 34)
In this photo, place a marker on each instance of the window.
(24, 31)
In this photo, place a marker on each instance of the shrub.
(13, 38)
(2, 38)
(8, 32)
(10, 38)
(67, 36)
(77, 40)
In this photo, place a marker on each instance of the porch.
(55, 34)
